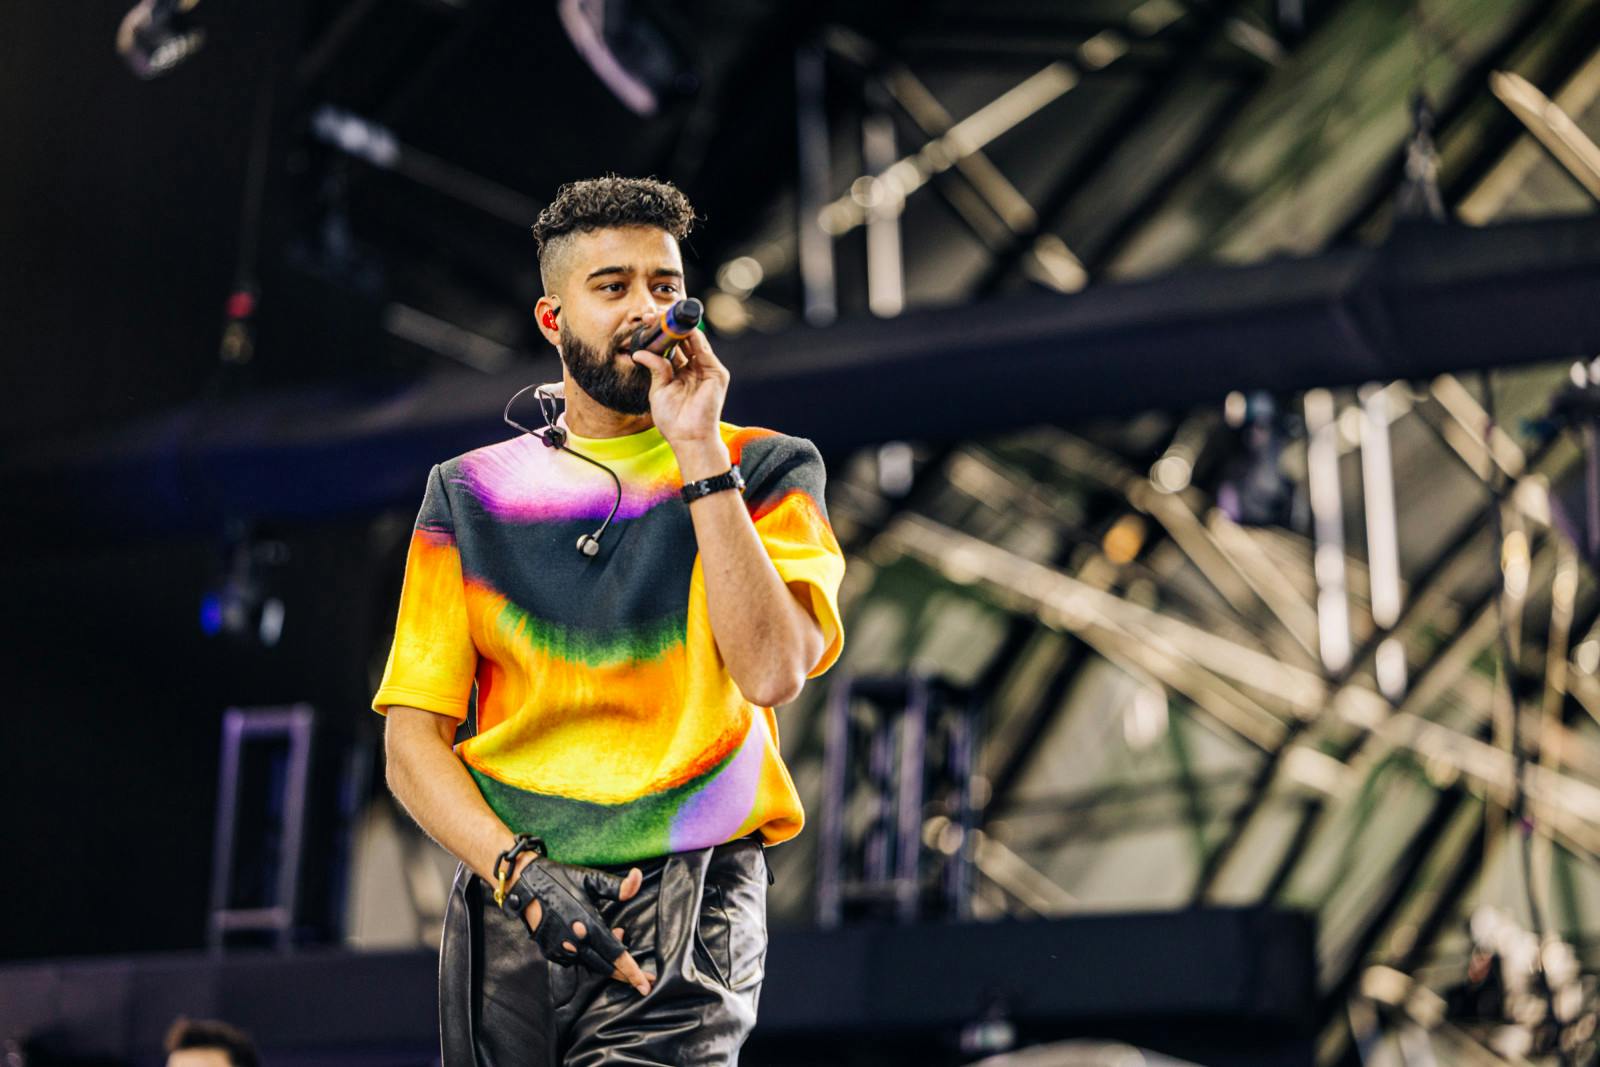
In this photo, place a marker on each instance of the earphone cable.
(554, 436)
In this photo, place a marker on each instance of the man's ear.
(546, 313)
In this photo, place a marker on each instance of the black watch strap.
(728, 479)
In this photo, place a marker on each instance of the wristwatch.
(728, 479)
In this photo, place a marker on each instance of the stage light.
(1419, 196)
(1172, 472)
(897, 469)
(727, 313)
(156, 36)
(634, 56)
(740, 276)
(1145, 718)
(1122, 542)
(240, 604)
(355, 136)
(1528, 991)
(1255, 489)
(1234, 409)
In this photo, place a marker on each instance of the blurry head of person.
(609, 259)
(208, 1043)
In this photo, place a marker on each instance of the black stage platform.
(1219, 987)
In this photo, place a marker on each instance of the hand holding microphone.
(686, 394)
(675, 323)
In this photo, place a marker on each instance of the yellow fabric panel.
(546, 708)
(803, 549)
(432, 660)
(776, 812)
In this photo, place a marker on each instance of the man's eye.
(668, 287)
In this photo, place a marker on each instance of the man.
(207, 1043)
(625, 776)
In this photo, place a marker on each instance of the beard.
(624, 391)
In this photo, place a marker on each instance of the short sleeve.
(433, 660)
(785, 479)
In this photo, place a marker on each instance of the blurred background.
(1213, 428)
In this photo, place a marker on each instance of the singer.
(622, 778)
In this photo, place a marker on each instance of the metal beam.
(1434, 299)
(1103, 146)
(1566, 805)
(1470, 639)
(1469, 88)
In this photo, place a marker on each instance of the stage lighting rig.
(1419, 196)
(1577, 408)
(1255, 489)
(241, 604)
(156, 35)
(635, 55)
(1527, 994)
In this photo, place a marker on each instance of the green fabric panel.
(647, 643)
(579, 831)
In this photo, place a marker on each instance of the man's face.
(614, 281)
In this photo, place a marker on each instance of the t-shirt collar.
(633, 444)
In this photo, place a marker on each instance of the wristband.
(728, 479)
(508, 861)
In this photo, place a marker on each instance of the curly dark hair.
(209, 1033)
(607, 203)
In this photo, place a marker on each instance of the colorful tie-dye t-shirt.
(607, 722)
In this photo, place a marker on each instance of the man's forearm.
(766, 637)
(432, 783)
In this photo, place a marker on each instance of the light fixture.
(1255, 489)
(156, 36)
(240, 604)
(636, 57)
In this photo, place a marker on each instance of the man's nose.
(639, 314)
(642, 310)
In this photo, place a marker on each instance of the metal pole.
(298, 727)
(1383, 544)
(227, 811)
(835, 762)
(908, 817)
(816, 245)
(886, 290)
(1327, 524)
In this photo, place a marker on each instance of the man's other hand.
(627, 969)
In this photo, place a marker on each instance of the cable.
(555, 437)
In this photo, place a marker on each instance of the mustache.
(617, 345)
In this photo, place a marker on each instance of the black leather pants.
(698, 923)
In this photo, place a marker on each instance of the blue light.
(211, 614)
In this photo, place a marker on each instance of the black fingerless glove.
(563, 891)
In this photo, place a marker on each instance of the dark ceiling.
(1141, 135)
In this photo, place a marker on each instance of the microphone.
(675, 323)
